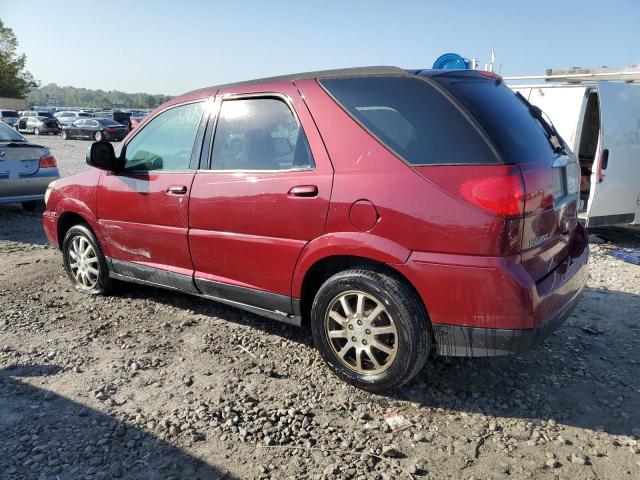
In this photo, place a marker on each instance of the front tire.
(370, 328)
(36, 131)
(65, 135)
(84, 262)
(98, 136)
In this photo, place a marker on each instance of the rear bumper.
(487, 306)
(27, 188)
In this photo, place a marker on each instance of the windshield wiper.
(552, 134)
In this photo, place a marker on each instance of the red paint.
(266, 230)
(363, 215)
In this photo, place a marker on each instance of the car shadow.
(17, 225)
(584, 374)
(48, 436)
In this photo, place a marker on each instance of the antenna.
(489, 66)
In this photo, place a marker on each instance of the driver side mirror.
(101, 155)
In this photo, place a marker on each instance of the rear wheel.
(65, 135)
(370, 328)
(30, 206)
(36, 131)
(84, 261)
(98, 136)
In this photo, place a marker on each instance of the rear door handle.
(304, 191)
(177, 189)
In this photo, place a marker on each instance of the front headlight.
(50, 188)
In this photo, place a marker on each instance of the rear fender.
(358, 244)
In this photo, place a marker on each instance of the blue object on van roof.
(451, 61)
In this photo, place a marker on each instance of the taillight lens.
(501, 195)
(111, 130)
(48, 161)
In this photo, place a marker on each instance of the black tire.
(30, 206)
(65, 135)
(98, 136)
(36, 131)
(103, 283)
(403, 306)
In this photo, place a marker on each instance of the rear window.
(82, 114)
(9, 114)
(106, 121)
(8, 134)
(517, 134)
(412, 119)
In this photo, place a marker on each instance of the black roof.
(341, 72)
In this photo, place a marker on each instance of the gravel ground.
(150, 384)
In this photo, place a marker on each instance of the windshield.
(509, 122)
(8, 134)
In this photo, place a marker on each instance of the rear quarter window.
(505, 118)
(413, 119)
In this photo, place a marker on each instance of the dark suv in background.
(398, 213)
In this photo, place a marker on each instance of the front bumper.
(488, 306)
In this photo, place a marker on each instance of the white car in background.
(68, 117)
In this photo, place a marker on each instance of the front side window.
(259, 134)
(166, 142)
(78, 123)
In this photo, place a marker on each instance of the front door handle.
(177, 190)
(304, 191)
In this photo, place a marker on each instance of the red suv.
(399, 213)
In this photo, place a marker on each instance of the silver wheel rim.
(83, 263)
(361, 332)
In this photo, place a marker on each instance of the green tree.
(15, 80)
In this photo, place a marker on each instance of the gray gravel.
(150, 384)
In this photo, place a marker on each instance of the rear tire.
(380, 339)
(36, 131)
(65, 135)
(30, 206)
(84, 262)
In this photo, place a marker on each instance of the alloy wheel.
(361, 332)
(83, 263)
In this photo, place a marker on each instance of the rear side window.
(413, 119)
(518, 135)
(259, 134)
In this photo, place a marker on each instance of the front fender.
(359, 244)
(74, 205)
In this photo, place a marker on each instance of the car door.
(143, 210)
(615, 192)
(75, 129)
(263, 194)
(89, 127)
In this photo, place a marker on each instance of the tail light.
(48, 161)
(491, 75)
(111, 130)
(502, 195)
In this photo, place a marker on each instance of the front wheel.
(370, 328)
(36, 131)
(65, 135)
(98, 136)
(84, 261)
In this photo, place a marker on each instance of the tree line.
(54, 95)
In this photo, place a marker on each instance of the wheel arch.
(74, 216)
(327, 266)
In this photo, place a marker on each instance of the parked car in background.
(25, 169)
(68, 117)
(96, 128)
(38, 122)
(10, 117)
(136, 118)
(398, 213)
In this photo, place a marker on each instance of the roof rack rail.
(578, 75)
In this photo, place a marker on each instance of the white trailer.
(597, 113)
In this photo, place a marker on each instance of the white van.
(600, 121)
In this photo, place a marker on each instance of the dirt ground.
(150, 384)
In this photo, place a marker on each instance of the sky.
(171, 47)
